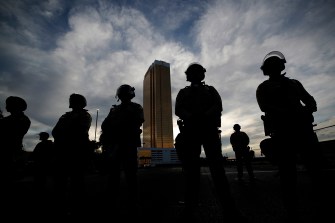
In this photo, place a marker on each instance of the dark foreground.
(161, 196)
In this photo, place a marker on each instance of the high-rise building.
(157, 106)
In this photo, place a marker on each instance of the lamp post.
(96, 126)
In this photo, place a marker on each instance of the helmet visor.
(274, 54)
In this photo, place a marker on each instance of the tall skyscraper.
(157, 106)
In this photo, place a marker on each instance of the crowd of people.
(288, 120)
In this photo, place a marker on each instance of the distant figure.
(120, 139)
(13, 128)
(289, 123)
(199, 108)
(42, 160)
(240, 143)
(71, 142)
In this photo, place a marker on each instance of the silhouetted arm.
(306, 98)
(216, 108)
(180, 110)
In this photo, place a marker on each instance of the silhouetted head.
(237, 127)
(195, 73)
(125, 92)
(273, 63)
(77, 101)
(43, 135)
(15, 104)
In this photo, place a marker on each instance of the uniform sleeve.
(140, 115)
(306, 98)
(105, 123)
(180, 110)
(247, 139)
(87, 122)
(232, 140)
(25, 125)
(216, 109)
(57, 130)
(260, 97)
(268, 100)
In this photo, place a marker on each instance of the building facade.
(157, 106)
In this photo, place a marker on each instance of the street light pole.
(96, 126)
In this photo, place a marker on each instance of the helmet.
(125, 91)
(237, 126)
(275, 54)
(77, 101)
(274, 57)
(44, 135)
(14, 103)
(195, 72)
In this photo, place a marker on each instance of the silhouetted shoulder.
(263, 84)
(204, 88)
(186, 88)
(212, 89)
(136, 105)
(139, 110)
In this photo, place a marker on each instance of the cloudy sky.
(51, 49)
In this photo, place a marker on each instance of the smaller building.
(157, 156)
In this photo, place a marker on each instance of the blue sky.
(51, 49)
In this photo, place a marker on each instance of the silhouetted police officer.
(13, 128)
(240, 143)
(42, 158)
(120, 138)
(42, 161)
(199, 106)
(71, 142)
(288, 120)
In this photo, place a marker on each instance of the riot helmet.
(15, 104)
(77, 101)
(125, 91)
(274, 60)
(195, 72)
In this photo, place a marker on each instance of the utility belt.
(278, 124)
